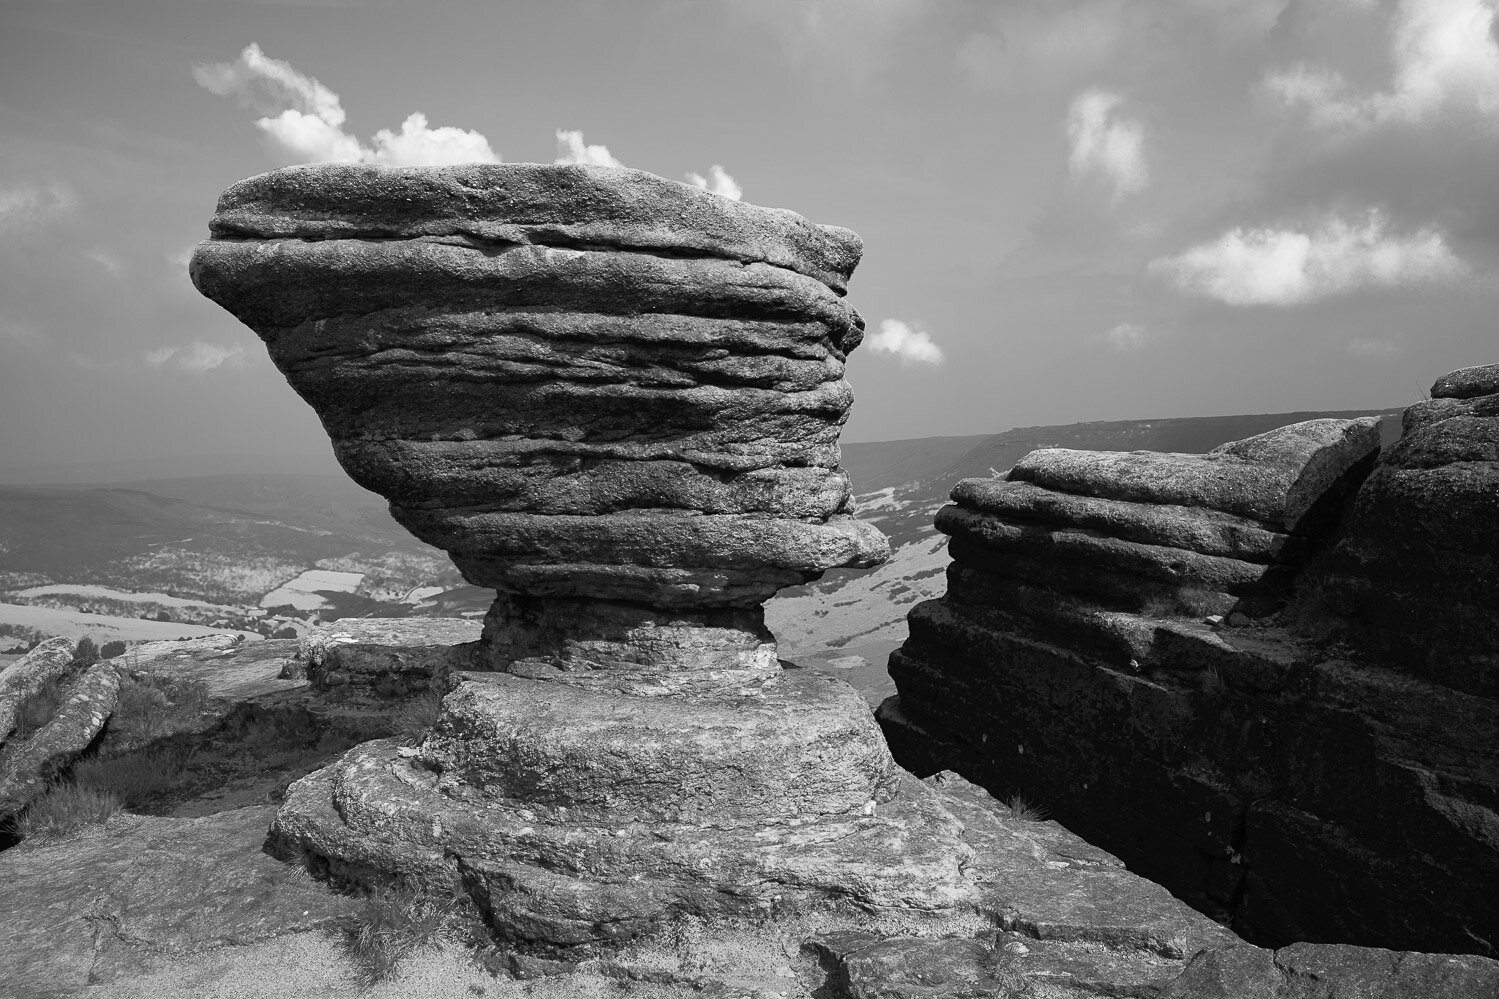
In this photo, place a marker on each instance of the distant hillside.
(207, 549)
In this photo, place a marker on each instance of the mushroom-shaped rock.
(616, 400)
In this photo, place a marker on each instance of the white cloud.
(107, 260)
(25, 206)
(303, 120)
(1292, 267)
(906, 341)
(418, 145)
(1445, 58)
(1126, 337)
(15, 329)
(194, 358)
(270, 85)
(1372, 348)
(1106, 143)
(571, 149)
(718, 181)
(842, 41)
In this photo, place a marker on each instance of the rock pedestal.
(616, 400)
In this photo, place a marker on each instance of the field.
(76, 624)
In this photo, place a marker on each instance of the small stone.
(1213, 620)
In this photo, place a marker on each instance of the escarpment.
(1261, 676)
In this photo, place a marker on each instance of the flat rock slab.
(233, 670)
(408, 651)
(1274, 477)
(125, 899)
(1332, 971)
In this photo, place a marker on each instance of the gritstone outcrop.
(1142, 643)
(1417, 576)
(85, 697)
(616, 400)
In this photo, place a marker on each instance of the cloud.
(1106, 143)
(1373, 349)
(718, 181)
(571, 149)
(107, 260)
(302, 119)
(1445, 59)
(844, 42)
(1293, 267)
(1127, 337)
(906, 341)
(15, 329)
(195, 358)
(26, 206)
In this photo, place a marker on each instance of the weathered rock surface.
(617, 401)
(22, 679)
(28, 764)
(1298, 792)
(169, 907)
(1310, 971)
(116, 903)
(1415, 579)
(580, 381)
(392, 657)
(1276, 477)
(592, 817)
(1170, 532)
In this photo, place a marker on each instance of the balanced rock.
(616, 400)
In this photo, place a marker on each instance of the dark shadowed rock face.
(1416, 578)
(1297, 790)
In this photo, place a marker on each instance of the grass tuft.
(1025, 811)
(398, 920)
(65, 809)
(136, 778)
(150, 706)
(37, 710)
(416, 716)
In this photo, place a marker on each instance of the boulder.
(586, 398)
(27, 765)
(393, 657)
(46, 664)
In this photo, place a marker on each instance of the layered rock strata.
(1295, 789)
(1209, 533)
(85, 699)
(1416, 579)
(616, 400)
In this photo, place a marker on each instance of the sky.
(1072, 210)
